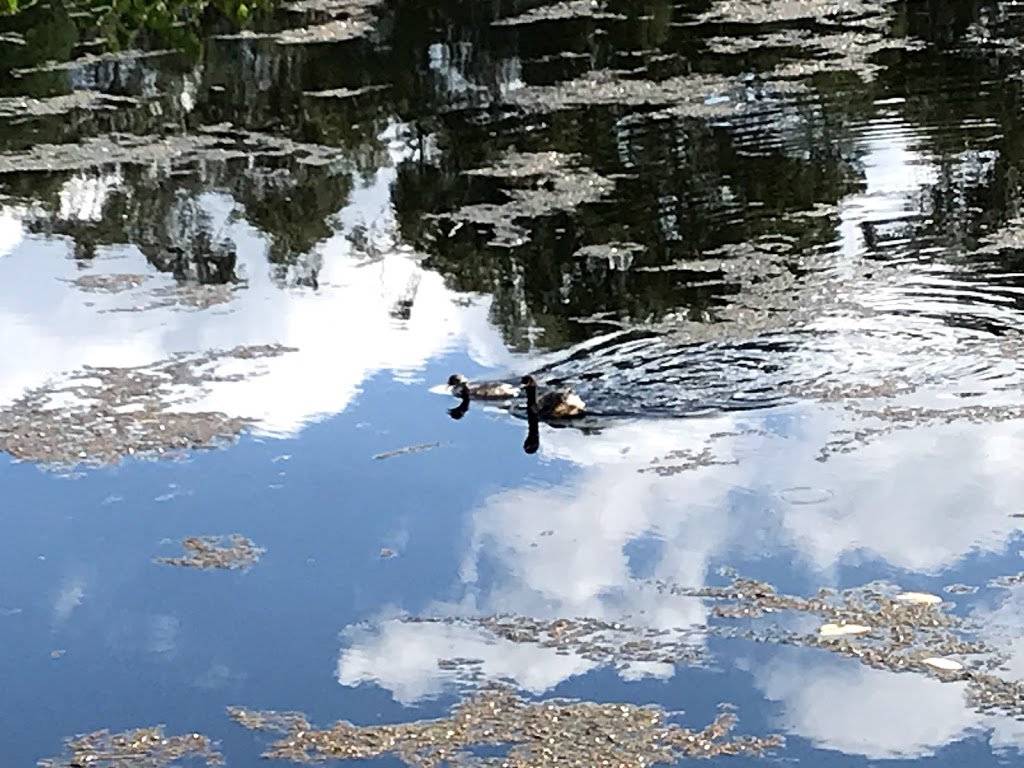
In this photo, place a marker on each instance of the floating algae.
(543, 733)
(331, 21)
(138, 748)
(99, 415)
(560, 11)
(218, 142)
(863, 13)
(615, 642)
(406, 450)
(205, 553)
(110, 283)
(554, 182)
(21, 106)
(696, 95)
(902, 633)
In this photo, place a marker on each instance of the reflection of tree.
(683, 187)
(683, 198)
(977, 186)
(689, 188)
(49, 33)
(291, 204)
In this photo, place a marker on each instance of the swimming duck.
(482, 390)
(557, 404)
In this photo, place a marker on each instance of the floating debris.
(696, 95)
(99, 415)
(407, 449)
(139, 748)
(553, 732)
(1010, 580)
(560, 11)
(386, 553)
(865, 13)
(337, 21)
(684, 460)
(960, 589)
(111, 283)
(837, 630)
(543, 183)
(947, 665)
(901, 632)
(924, 598)
(179, 294)
(22, 107)
(205, 553)
(218, 142)
(606, 642)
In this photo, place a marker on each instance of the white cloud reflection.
(857, 710)
(344, 332)
(918, 499)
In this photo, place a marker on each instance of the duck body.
(481, 390)
(556, 404)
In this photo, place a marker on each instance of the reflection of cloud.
(11, 232)
(403, 658)
(69, 597)
(84, 197)
(564, 551)
(1003, 628)
(156, 634)
(858, 710)
(345, 332)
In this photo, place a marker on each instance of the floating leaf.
(939, 662)
(837, 630)
(924, 598)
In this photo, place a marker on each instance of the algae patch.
(617, 643)
(536, 184)
(560, 11)
(205, 553)
(697, 95)
(540, 733)
(138, 748)
(869, 13)
(210, 143)
(99, 415)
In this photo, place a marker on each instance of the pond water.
(777, 248)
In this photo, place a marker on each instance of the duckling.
(557, 404)
(482, 390)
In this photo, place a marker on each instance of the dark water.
(779, 252)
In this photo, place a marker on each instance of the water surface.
(776, 248)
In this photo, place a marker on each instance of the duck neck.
(531, 399)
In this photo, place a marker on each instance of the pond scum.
(129, 412)
(137, 748)
(99, 415)
(544, 733)
(205, 554)
(875, 624)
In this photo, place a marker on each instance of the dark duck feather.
(481, 390)
(555, 404)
